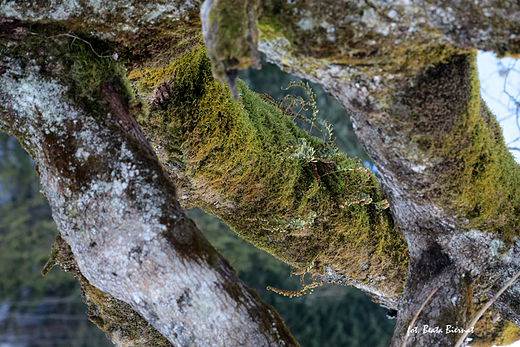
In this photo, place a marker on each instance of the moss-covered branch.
(113, 204)
(467, 169)
(409, 81)
(239, 161)
(455, 160)
(366, 42)
(453, 188)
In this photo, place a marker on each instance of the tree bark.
(405, 72)
(115, 206)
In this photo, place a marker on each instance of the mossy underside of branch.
(475, 176)
(461, 164)
(234, 163)
(120, 322)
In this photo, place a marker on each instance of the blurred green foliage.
(42, 310)
(27, 230)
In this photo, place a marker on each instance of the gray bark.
(129, 235)
(117, 209)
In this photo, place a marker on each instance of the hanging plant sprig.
(287, 103)
(308, 288)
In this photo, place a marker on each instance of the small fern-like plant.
(302, 151)
(288, 102)
(323, 160)
(280, 225)
(308, 288)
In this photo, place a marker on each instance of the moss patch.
(81, 61)
(239, 164)
(477, 178)
(503, 333)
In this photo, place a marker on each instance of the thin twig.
(486, 306)
(417, 315)
(78, 38)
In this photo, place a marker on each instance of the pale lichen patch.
(118, 14)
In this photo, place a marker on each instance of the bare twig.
(417, 315)
(78, 38)
(486, 306)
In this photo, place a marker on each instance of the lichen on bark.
(121, 323)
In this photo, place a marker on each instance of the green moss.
(487, 179)
(86, 71)
(488, 333)
(509, 334)
(82, 62)
(232, 40)
(454, 317)
(238, 166)
(269, 29)
(476, 177)
(156, 46)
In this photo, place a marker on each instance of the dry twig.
(417, 315)
(486, 306)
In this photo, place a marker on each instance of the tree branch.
(409, 82)
(115, 206)
(286, 192)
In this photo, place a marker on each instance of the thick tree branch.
(404, 71)
(322, 212)
(115, 206)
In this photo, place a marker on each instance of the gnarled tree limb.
(406, 73)
(117, 209)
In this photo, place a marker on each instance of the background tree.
(406, 75)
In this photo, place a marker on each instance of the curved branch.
(116, 208)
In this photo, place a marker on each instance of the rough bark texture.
(404, 69)
(117, 209)
(433, 142)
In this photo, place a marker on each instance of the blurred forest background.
(48, 311)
